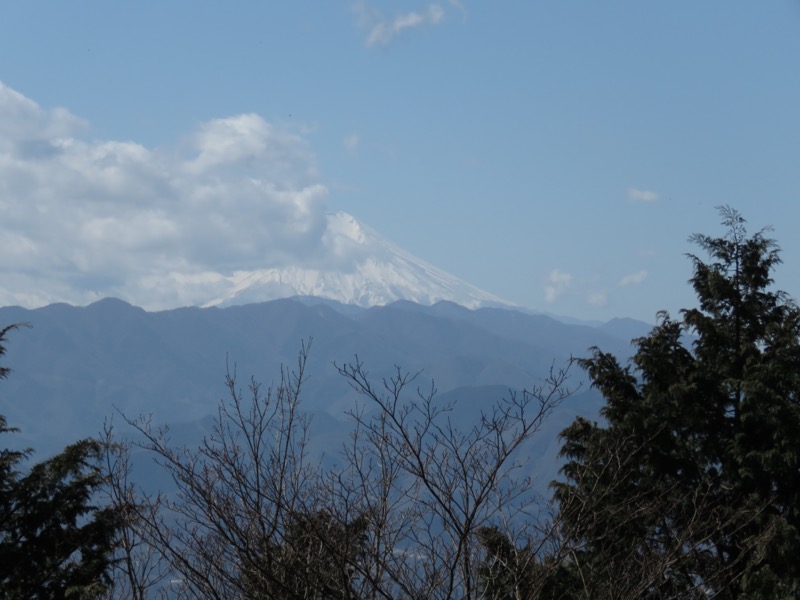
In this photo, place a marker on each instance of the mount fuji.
(360, 268)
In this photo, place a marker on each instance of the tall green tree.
(691, 485)
(54, 541)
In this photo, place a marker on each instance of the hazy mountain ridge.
(77, 366)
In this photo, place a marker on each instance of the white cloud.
(597, 299)
(351, 143)
(457, 4)
(83, 219)
(557, 284)
(633, 278)
(381, 31)
(21, 116)
(647, 196)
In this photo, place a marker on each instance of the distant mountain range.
(77, 366)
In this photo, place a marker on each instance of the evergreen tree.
(690, 486)
(54, 542)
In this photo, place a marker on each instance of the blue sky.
(556, 154)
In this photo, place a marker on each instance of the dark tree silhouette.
(690, 487)
(54, 541)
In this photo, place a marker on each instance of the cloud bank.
(85, 218)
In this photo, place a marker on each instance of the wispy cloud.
(646, 196)
(460, 6)
(597, 299)
(557, 284)
(159, 227)
(633, 278)
(381, 31)
(351, 143)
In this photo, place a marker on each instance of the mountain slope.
(77, 366)
(360, 268)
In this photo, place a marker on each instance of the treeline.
(687, 488)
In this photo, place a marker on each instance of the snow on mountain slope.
(361, 268)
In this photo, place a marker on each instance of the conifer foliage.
(690, 488)
(54, 542)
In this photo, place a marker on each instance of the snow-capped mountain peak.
(358, 267)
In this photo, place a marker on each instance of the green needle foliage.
(691, 486)
(54, 542)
